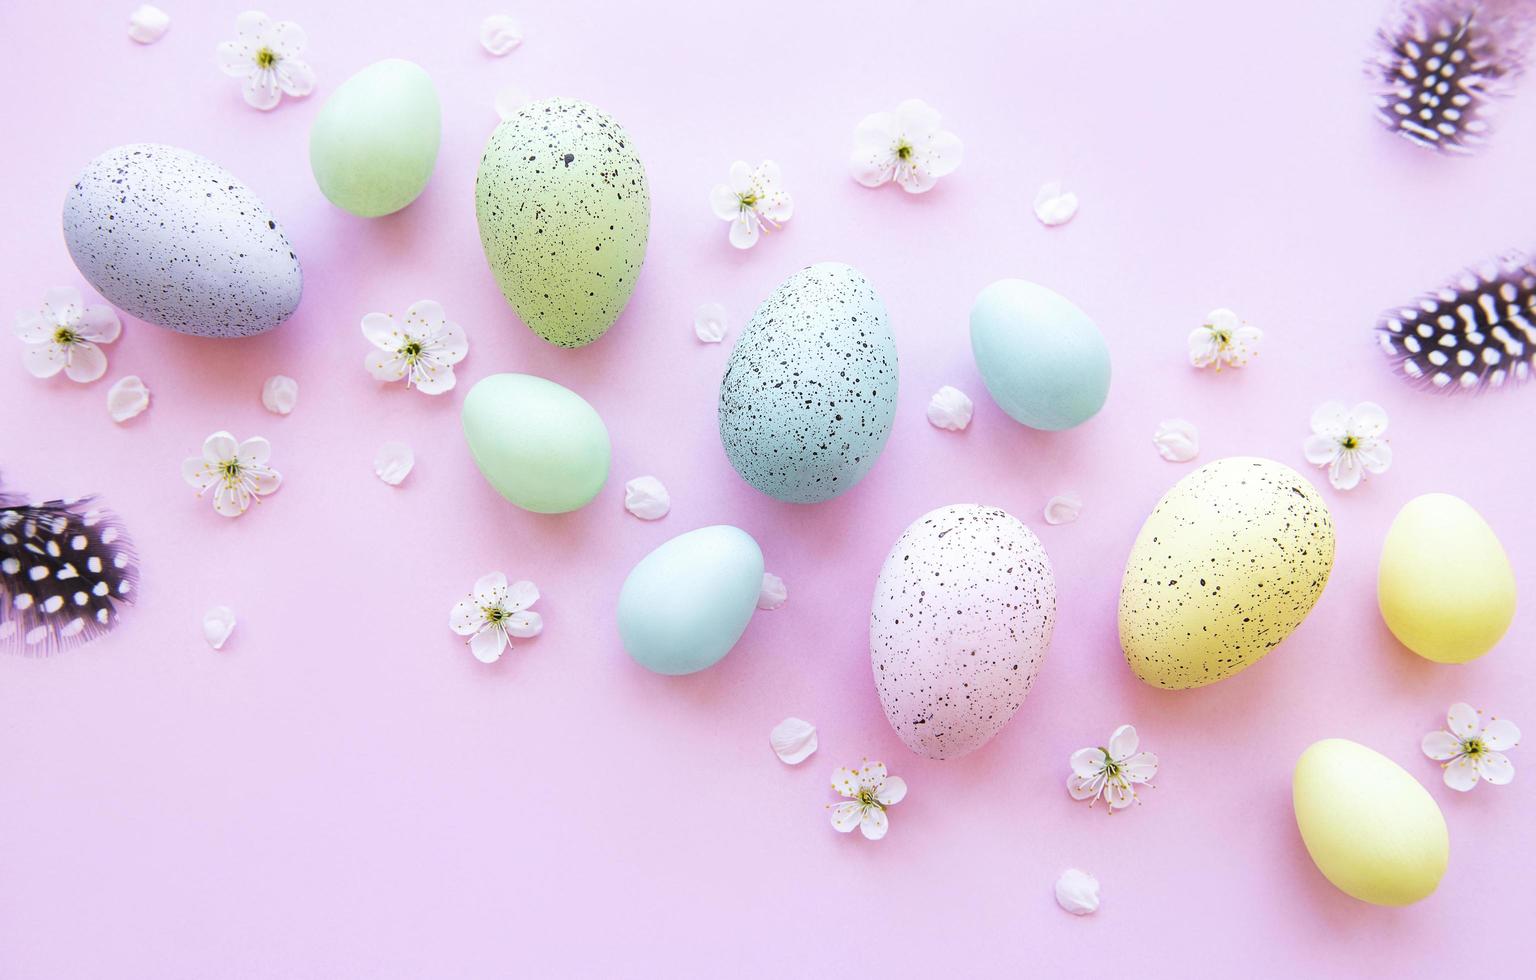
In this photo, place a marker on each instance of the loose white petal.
(499, 34)
(1176, 440)
(218, 623)
(511, 99)
(647, 498)
(1077, 892)
(1063, 508)
(793, 740)
(709, 323)
(127, 398)
(950, 408)
(393, 462)
(280, 394)
(148, 24)
(773, 594)
(1053, 206)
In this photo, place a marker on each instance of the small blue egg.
(1043, 360)
(684, 606)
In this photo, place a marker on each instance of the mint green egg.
(1043, 360)
(564, 212)
(538, 443)
(685, 605)
(374, 143)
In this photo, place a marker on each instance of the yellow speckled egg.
(1370, 827)
(1444, 584)
(1231, 560)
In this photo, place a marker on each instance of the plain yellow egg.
(1370, 827)
(1444, 585)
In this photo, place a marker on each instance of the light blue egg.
(686, 604)
(1043, 360)
(809, 394)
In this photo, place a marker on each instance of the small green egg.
(538, 443)
(374, 143)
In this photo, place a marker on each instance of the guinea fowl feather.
(67, 569)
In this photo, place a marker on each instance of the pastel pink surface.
(345, 791)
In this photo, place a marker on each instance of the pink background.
(344, 791)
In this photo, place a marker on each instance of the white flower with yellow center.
(1469, 752)
(421, 348)
(62, 335)
(868, 792)
(1223, 340)
(907, 145)
(494, 613)
(1111, 772)
(1348, 442)
(266, 55)
(236, 472)
(752, 202)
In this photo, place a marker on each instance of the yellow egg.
(1370, 827)
(1444, 584)
(1231, 560)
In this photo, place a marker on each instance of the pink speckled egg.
(962, 617)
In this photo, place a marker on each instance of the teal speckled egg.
(686, 604)
(1043, 360)
(564, 212)
(809, 393)
(374, 143)
(541, 445)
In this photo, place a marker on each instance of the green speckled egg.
(1230, 562)
(541, 445)
(374, 143)
(564, 213)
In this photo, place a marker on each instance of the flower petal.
(433, 378)
(1461, 775)
(873, 823)
(451, 345)
(872, 776)
(381, 331)
(294, 77)
(942, 157)
(488, 645)
(1346, 471)
(1140, 768)
(255, 451)
(1120, 795)
(32, 327)
(524, 625)
(1441, 746)
(1330, 419)
(1123, 743)
(917, 121)
(1463, 720)
(264, 480)
(286, 38)
(1495, 767)
(1501, 734)
(384, 365)
(845, 781)
(100, 323)
(1368, 419)
(741, 177)
(846, 816)
(521, 595)
(236, 58)
(1375, 456)
(44, 360)
(724, 202)
(1083, 788)
(62, 306)
(872, 167)
(1320, 450)
(490, 589)
(261, 90)
(198, 473)
(877, 131)
(87, 362)
(893, 792)
(776, 206)
(1087, 763)
(425, 317)
(465, 617)
(744, 231)
(220, 447)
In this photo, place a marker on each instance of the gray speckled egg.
(173, 238)
(564, 212)
(1230, 561)
(962, 618)
(809, 393)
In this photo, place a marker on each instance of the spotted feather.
(1477, 331)
(67, 569)
(1441, 64)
